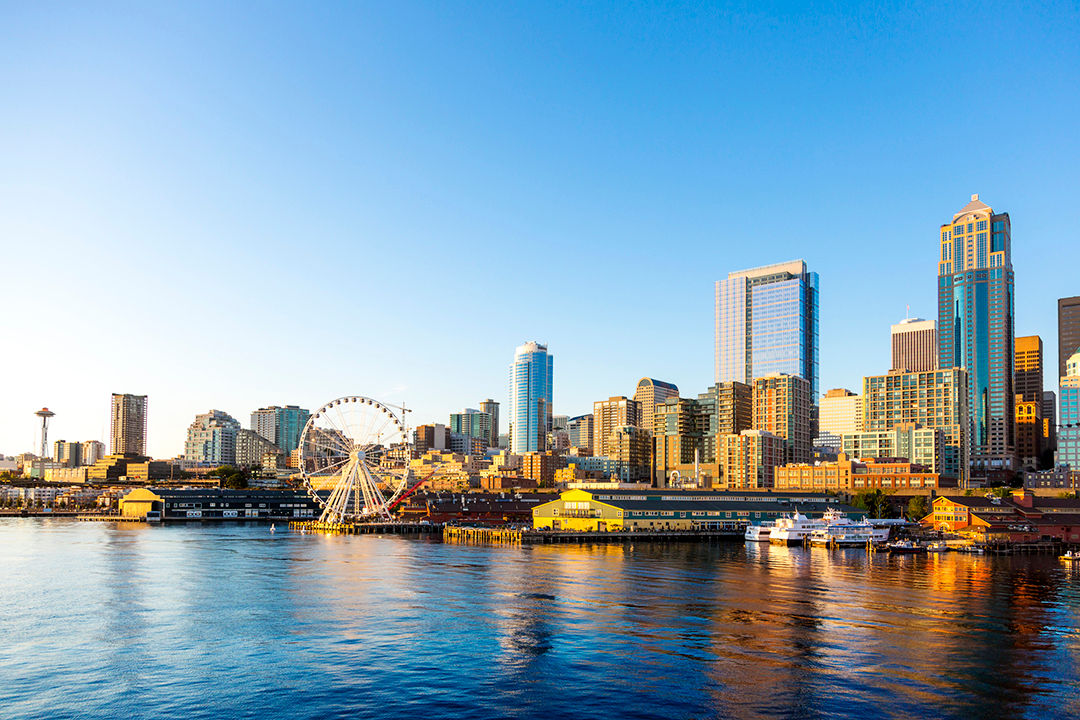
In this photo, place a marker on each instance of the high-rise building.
(1068, 439)
(433, 436)
(530, 397)
(491, 407)
(782, 406)
(767, 322)
(67, 454)
(211, 438)
(128, 421)
(282, 426)
(91, 451)
(649, 393)
(915, 345)
(1049, 411)
(1028, 364)
(1068, 330)
(631, 448)
(472, 423)
(749, 459)
(677, 438)
(936, 399)
(580, 429)
(975, 326)
(922, 446)
(840, 412)
(252, 449)
(615, 412)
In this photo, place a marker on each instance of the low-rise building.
(218, 504)
(851, 476)
(668, 509)
(1023, 517)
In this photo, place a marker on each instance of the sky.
(232, 205)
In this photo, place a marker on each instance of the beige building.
(840, 412)
(648, 395)
(615, 412)
(128, 421)
(747, 460)
(915, 345)
(783, 407)
(632, 448)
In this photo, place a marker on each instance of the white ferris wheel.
(358, 450)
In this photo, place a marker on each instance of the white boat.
(797, 528)
(846, 535)
(936, 547)
(758, 533)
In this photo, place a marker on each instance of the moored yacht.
(759, 532)
(794, 529)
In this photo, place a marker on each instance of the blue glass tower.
(975, 326)
(1068, 452)
(530, 398)
(767, 322)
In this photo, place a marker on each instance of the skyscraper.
(280, 425)
(767, 322)
(473, 423)
(608, 415)
(128, 422)
(530, 398)
(975, 326)
(649, 393)
(915, 345)
(1068, 330)
(782, 406)
(491, 407)
(1068, 439)
(1028, 363)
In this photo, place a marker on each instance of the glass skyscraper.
(975, 326)
(1068, 452)
(767, 322)
(530, 398)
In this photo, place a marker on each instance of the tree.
(874, 502)
(231, 477)
(917, 508)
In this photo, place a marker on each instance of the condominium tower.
(783, 407)
(280, 425)
(530, 398)
(975, 325)
(608, 415)
(491, 407)
(767, 322)
(128, 424)
(914, 345)
(1028, 363)
(1068, 439)
(648, 394)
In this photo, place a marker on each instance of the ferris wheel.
(357, 449)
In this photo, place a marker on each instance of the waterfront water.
(208, 621)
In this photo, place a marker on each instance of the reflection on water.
(213, 621)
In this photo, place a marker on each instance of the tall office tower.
(649, 393)
(915, 345)
(491, 407)
(975, 326)
(211, 438)
(782, 406)
(1028, 381)
(767, 322)
(280, 425)
(530, 398)
(68, 454)
(1068, 330)
(1068, 440)
(580, 429)
(128, 424)
(937, 399)
(91, 451)
(473, 423)
(615, 412)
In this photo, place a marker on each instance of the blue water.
(104, 621)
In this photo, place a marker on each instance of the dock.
(561, 536)
(383, 528)
(454, 533)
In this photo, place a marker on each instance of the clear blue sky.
(232, 205)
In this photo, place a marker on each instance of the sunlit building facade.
(767, 322)
(975, 326)
(530, 398)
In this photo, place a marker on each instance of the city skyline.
(449, 159)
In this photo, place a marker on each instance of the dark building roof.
(252, 494)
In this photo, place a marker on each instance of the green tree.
(917, 508)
